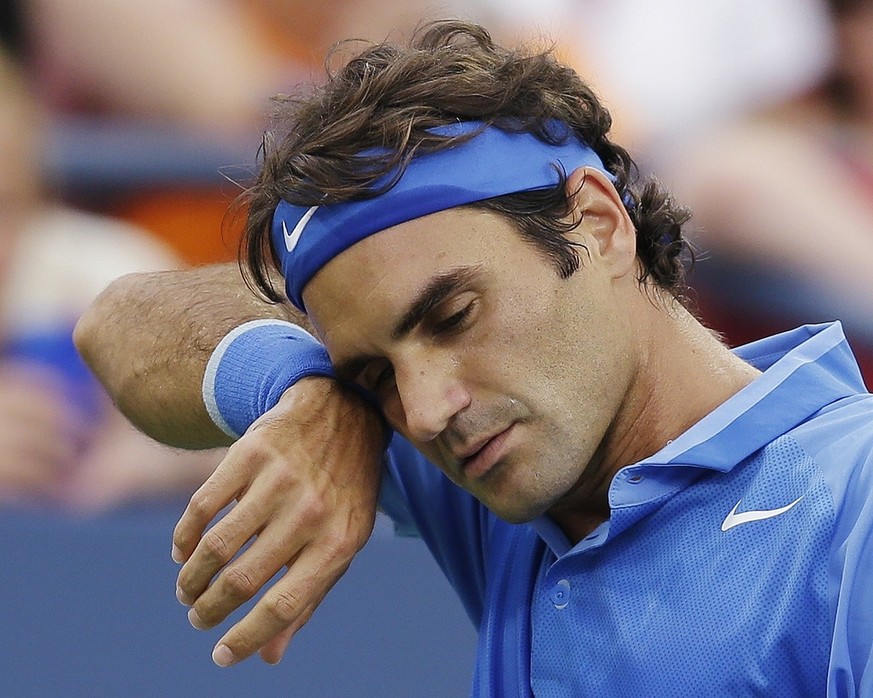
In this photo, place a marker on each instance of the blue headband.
(492, 163)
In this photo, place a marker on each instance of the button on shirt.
(735, 562)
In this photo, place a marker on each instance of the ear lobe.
(602, 218)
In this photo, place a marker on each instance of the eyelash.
(453, 322)
(385, 375)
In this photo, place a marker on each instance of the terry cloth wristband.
(253, 365)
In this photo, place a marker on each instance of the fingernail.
(177, 555)
(183, 598)
(194, 620)
(222, 655)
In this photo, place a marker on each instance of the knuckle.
(184, 583)
(205, 616)
(284, 606)
(255, 447)
(216, 547)
(242, 641)
(239, 584)
(242, 451)
(286, 479)
(340, 544)
(313, 508)
(180, 538)
(200, 505)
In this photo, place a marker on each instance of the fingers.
(224, 485)
(302, 520)
(273, 650)
(313, 569)
(306, 478)
(282, 611)
(239, 580)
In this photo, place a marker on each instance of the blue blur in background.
(88, 609)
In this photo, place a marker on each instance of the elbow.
(98, 334)
(85, 334)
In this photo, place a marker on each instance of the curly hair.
(386, 99)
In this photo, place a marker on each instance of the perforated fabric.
(712, 612)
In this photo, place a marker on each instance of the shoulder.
(839, 438)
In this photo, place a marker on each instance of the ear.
(602, 220)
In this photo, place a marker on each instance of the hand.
(305, 477)
(40, 437)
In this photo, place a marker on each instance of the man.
(651, 513)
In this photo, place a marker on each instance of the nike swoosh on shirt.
(734, 519)
(292, 238)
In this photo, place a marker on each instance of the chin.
(515, 518)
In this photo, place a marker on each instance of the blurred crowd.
(113, 115)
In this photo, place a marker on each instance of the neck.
(683, 372)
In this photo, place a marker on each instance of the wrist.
(361, 410)
(253, 366)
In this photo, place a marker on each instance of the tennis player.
(625, 506)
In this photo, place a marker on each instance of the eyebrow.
(437, 290)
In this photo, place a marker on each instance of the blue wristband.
(251, 368)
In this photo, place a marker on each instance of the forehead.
(381, 274)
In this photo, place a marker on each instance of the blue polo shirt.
(736, 561)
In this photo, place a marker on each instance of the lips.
(471, 451)
(478, 459)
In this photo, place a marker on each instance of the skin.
(435, 316)
(300, 484)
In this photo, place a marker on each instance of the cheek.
(528, 336)
(568, 353)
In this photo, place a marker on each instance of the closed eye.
(376, 376)
(384, 380)
(455, 322)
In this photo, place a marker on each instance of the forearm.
(148, 338)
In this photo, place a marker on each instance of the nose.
(429, 396)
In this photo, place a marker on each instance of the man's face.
(504, 375)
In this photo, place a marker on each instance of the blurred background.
(125, 129)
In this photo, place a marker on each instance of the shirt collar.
(803, 370)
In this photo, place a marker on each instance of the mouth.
(481, 458)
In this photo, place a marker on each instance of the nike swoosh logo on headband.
(292, 238)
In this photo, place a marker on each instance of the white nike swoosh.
(292, 238)
(734, 519)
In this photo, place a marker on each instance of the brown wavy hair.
(388, 96)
